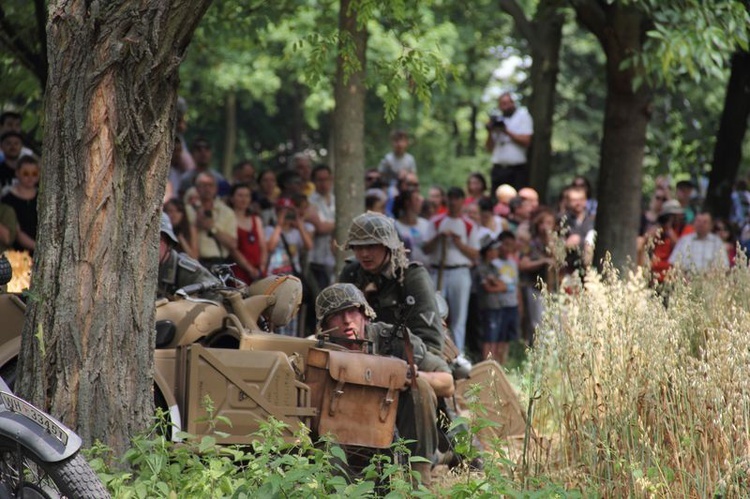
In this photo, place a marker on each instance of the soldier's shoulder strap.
(187, 263)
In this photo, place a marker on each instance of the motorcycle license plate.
(20, 406)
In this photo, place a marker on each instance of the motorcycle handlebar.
(198, 287)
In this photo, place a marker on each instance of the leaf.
(206, 443)
(338, 453)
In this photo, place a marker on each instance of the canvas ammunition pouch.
(356, 395)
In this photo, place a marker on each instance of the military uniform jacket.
(386, 296)
(179, 270)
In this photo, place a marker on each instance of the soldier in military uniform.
(389, 281)
(177, 270)
(343, 310)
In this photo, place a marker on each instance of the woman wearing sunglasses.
(22, 198)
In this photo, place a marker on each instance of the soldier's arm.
(432, 368)
(424, 318)
(441, 382)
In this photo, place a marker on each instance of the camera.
(291, 216)
(497, 120)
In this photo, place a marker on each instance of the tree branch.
(40, 9)
(591, 14)
(10, 38)
(523, 24)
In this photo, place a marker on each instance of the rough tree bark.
(545, 54)
(732, 130)
(349, 122)
(620, 29)
(544, 34)
(88, 340)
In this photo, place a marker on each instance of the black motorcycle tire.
(72, 478)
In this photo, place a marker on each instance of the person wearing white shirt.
(322, 215)
(509, 134)
(700, 250)
(452, 241)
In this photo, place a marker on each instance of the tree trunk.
(471, 149)
(297, 116)
(230, 132)
(89, 335)
(349, 122)
(548, 23)
(732, 130)
(624, 140)
(457, 137)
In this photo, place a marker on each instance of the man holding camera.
(509, 135)
(216, 222)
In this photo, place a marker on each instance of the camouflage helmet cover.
(373, 228)
(376, 228)
(338, 297)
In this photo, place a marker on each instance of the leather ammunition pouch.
(356, 395)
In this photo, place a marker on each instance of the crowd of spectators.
(487, 248)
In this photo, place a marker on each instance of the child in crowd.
(375, 200)
(489, 286)
(497, 275)
(398, 162)
(507, 264)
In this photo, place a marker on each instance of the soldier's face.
(350, 324)
(371, 256)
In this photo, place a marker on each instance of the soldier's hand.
(409, 371)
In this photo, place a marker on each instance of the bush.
(271, 467)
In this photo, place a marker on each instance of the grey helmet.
(165, 227)
(6, 270)
(338, 297)
(376, 228)
(373, 228)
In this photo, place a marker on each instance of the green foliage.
(579, 110)
(694, 38)
(430, 70)
(273, 467)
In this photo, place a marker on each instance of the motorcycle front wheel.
(23, 475)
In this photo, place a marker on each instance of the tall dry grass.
(639, 399)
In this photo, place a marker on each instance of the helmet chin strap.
(385, 266)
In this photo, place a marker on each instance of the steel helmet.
(337, 297)
(373, 228)
(6, 270)
(165, 227)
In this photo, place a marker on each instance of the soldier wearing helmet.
(177, 270)
(383, 273)
(343, 311)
